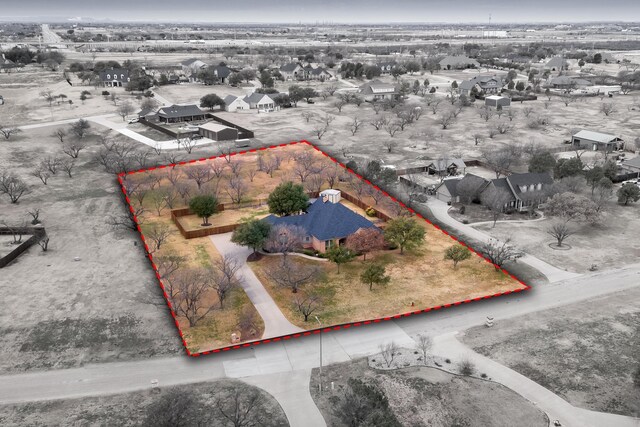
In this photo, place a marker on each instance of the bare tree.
(41, 173)
(495, 199)
(485, 113)
(392, 128)
(319, 131)
(305, 165)
(307, 116)
(607, 108)
(388, 352)
(560, 230)
(499, 253)
(60, 134)
(43, 241)
(339, 104)
(293, 275)
(500, 160)
(285, 238)
(307, 304)
(379, 122)
(355, 125)
(243, 408)
(423, 345)
(389, 144)
(446, 119)
(9, 131)
(200, 174)
(51, 164)
(527, 111)
(189, 289)
(236, 189)
(225, 277)
(478, 138)
(73, 148)
(158, 234)
(125, 109)
(168, 264)
(12, 186)
(35, 215)
(67, 165)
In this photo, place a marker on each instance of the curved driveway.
(275, 324)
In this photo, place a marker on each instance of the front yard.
(420, 279)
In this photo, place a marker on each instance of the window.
(539, 186)
(532, 187)
(108, 76)
(523, 188)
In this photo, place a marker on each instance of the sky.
(337, 11)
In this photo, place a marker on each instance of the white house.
(234, 103)
(260, 102)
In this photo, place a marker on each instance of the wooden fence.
(35, 232)
(359, 203)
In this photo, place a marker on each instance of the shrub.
(105, 93)
(465, 221)
(483, 375)
(462, 210)
(467, 367)
(370, 211)
(447, 360)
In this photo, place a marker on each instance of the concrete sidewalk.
(555, 407)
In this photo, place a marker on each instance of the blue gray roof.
(325, 220)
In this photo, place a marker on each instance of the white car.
(133, 120)
(635, 181)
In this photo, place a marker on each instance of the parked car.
(133, 120)
(635, 181)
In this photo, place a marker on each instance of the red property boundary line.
(313, 331)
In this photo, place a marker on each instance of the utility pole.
(320, 382)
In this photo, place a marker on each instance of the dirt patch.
(588, 360)
(427, 396)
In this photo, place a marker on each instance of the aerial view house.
(217, 132)
(260, 102)
(376, 90)
(568, 83)
(446, 167)
(234, 103)
(386, 67)
(596, 141)
(525, 190)
(557, 63)
(317, 73)
(488, 84)
(291, 71)
(114, 77)
(191, 67)
(327, 222)
(180, 113)
(458, 63)
(446, 190)
(632, 165)
(495, 101)
(222, 72)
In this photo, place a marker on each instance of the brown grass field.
(419, 279)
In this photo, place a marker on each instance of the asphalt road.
(258, 364)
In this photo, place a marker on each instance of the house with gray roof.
(291, 71)
(235, 103)
(524, 191)
(632, 165)
(114, 77)
(557, 63)
(568, 83)
(459, 62)
(488, 84)
(260, 102)
(446, 167)
(180, 113)
(596, 141)
(375, 90)
(327, 223)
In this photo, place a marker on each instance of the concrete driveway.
(275, 324)
(440, 210)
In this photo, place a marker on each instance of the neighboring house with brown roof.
(217, 132)
(557, 63)
(447, 167)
